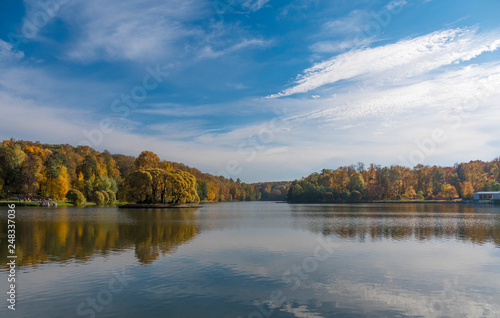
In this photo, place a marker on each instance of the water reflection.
(387, 261)
(159, 231)
(66, 234)
(476, 224)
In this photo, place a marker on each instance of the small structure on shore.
(487, 196)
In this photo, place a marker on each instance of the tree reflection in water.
(64, 235)
(401, 221)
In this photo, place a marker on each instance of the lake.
(256, 259)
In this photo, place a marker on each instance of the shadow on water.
(66, 234)
(476, 224)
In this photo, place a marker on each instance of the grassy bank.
(59, 204)
(17, 203)
(159, 206)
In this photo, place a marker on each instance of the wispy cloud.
(254, 5)
(396, 4)
(350, 24)
(128, 29)
(408, 58)
(446, 91)
(338, 46)
(152, 30)
(209, 53)
(7, 52)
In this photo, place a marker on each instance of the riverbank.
(455, 201)
(18, 203)
(59, 203)
(158, 206)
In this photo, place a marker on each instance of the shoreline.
(185, 206)
(158, 206)
(395, 202)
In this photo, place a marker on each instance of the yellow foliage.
(211, 194)
(410, 193)
(466, 190)
(58, 187)
(147, 160)
(448, 191)
(80, 182)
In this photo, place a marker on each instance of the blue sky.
(260, 90)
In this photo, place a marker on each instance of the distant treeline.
(357, 183)
(33, 169)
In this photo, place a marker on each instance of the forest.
(78, 174)
(35, 170)
(357, 183)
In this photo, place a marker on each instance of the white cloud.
(396, 4)
(465, 88)
(209, 53)
(7, 52)
(376, 124)
(254, 5)
(339, 46)
(151, 30)
(105, 29)
(42, 121)
(38, 15)
(350, 24)
(406, 58)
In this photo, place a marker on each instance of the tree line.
(35, 170)
(358, 183)
(79, 174)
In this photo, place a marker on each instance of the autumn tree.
(147, 160)
(410, 193)
(31, 174)
(160, 186)
(448, 191)
(466, 190)
(357, 183)
(136, 187)
(58, 187)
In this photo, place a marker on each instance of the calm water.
(256, 260)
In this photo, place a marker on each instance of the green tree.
(106, 196)
(136, 187)
(98, 198)
(111, 196)
(160, 186)
(356, 183)
(355, 196)
(11, 160)
(76, 197)
(345, 195)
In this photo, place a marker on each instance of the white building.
(492, 195)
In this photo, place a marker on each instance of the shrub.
(345, 194)
(420, 195)
(355, 196)
(98, 198)
(106, 196)
(112, 197)
(76, 197)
